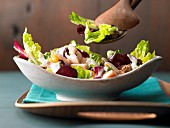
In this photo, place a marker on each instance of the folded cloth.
(39, 95)
(148, 91)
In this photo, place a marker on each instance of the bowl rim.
(91, 80)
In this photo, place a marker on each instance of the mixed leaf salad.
(92, 32)
(78, 61)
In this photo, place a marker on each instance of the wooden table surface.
(13, 84)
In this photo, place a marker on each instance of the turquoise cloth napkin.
(149, 91)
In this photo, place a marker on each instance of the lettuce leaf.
(110, 53)
(84, 48)
(148, 57)
(78, 20)
(93, 33)
(96, 57)
(32, 49)
(74, 43)
(99, 35)
(82, 74)
(47, 55)
(142, 51)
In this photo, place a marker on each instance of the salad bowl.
(76, 89)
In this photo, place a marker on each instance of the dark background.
(48, 22)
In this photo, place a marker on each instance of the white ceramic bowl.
(73, 89)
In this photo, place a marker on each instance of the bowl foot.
(86, 98)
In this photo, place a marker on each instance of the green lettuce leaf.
(47, 55)
(78, 20)
(84, 48)
(96, 36)
(81, 47)
(99, 35)
(148, 57)
(74, 43)
(82, 74)
(31, 48)
(96, 57)
(110, 53)
(142, 51)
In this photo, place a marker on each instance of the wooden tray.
(112, 110)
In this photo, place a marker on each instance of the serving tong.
(120, 15)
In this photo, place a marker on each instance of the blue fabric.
(38, 94)
(149, 91)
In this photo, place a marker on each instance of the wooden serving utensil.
(117, 116)
(135, 3)
(120, 15)
(118, 18)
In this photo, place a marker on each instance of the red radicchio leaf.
(119, 59)
(67, 71)
(99, 71)
(18, 48)
(80, 29)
